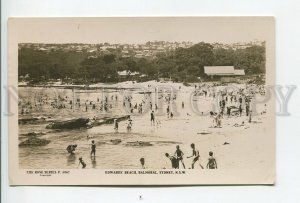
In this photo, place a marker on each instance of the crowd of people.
(231, 103)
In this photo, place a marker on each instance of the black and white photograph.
(145, 96)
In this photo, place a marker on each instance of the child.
(195, 155)
(179, 155)
(142, 161)
(212, 163)
(174, 161)
(93, 152)
(71, 148)
(81, 162)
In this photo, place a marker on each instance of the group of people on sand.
(71, 150)
(177, 158)
(233, 104)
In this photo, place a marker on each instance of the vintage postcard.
(141, 100)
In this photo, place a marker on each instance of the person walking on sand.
(93, 152)
(152, 118)
(195, 155)
(212, 163)
(179, 155)
(81, 162)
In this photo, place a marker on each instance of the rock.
(204, 133)
(27, 120)
(34, 141)
(138, 144)
(31, 120)
(33, 134)
(116, 141)
(70, 124)
(101, 142)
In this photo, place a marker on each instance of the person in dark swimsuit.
(71, 148)
(152, 118)
(179, 155)
(142, 161)
(82, 162)
(174, 161)
(93, 152)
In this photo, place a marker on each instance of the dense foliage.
(183, 64)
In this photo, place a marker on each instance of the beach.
(236, 144)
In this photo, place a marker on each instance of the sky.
(140, 30)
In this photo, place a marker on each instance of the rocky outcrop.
(116, 141)
(69, 124)
(33, 141)
(139, 144)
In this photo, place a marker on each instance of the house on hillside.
(128, 75)
(224, 73)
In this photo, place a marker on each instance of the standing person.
(179, 155)
(228, 111)
(142, 161)
(182, 105)
(219, 121)
(93, 152)
(81, 162)
(116, 125)
(247, 109)
(195, 155)
(212, 163)
(174, 161)
(152, 118)
(250, 117)
(240, 110)
(129, 125)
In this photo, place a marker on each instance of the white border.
(288, 70)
